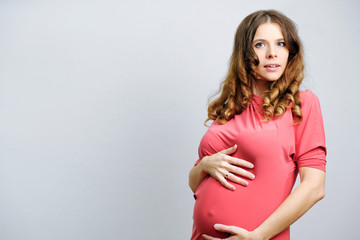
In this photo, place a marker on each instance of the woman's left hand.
(237, 233)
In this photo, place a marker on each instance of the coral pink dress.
(277, 148)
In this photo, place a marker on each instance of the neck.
(259, 88)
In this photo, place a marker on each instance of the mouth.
(272, 67)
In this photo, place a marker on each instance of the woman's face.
(269, 46)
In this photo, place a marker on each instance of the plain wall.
(102, 106)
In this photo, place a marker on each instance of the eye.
(281, 44)
(259, 45)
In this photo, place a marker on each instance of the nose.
(271, 53)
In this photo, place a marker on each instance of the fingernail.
(253, 176)
(235, 145)
(251, 165)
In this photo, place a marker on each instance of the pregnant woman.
(264, 133)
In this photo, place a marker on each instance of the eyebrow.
(264, 40)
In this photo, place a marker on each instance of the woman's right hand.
(222, 166)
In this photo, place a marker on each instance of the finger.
(240, 171)
(207, 237)
(238, 180)
(230, 150)
(227, 229)
(223, 181)
(239, 162)
(237, 170)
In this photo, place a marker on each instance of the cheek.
(285, 56)
(259, 53)
(261, 59)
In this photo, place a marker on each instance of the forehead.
(268, 31)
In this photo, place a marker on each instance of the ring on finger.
(227, 175)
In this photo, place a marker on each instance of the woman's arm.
(196, 176)
(310, 190)
(221, 166)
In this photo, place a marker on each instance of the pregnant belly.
(246, 207)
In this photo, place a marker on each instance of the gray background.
(102, 106)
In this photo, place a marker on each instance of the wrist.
(202, 166)
(258, 234)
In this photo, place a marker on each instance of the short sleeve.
(310, 149)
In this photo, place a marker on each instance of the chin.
(270, 79)
(273, 79)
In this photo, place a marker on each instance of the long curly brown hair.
(236, 89)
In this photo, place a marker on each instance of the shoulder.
(307, 95)
(308, 99)
(310, 105)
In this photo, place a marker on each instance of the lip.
(272, 67)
